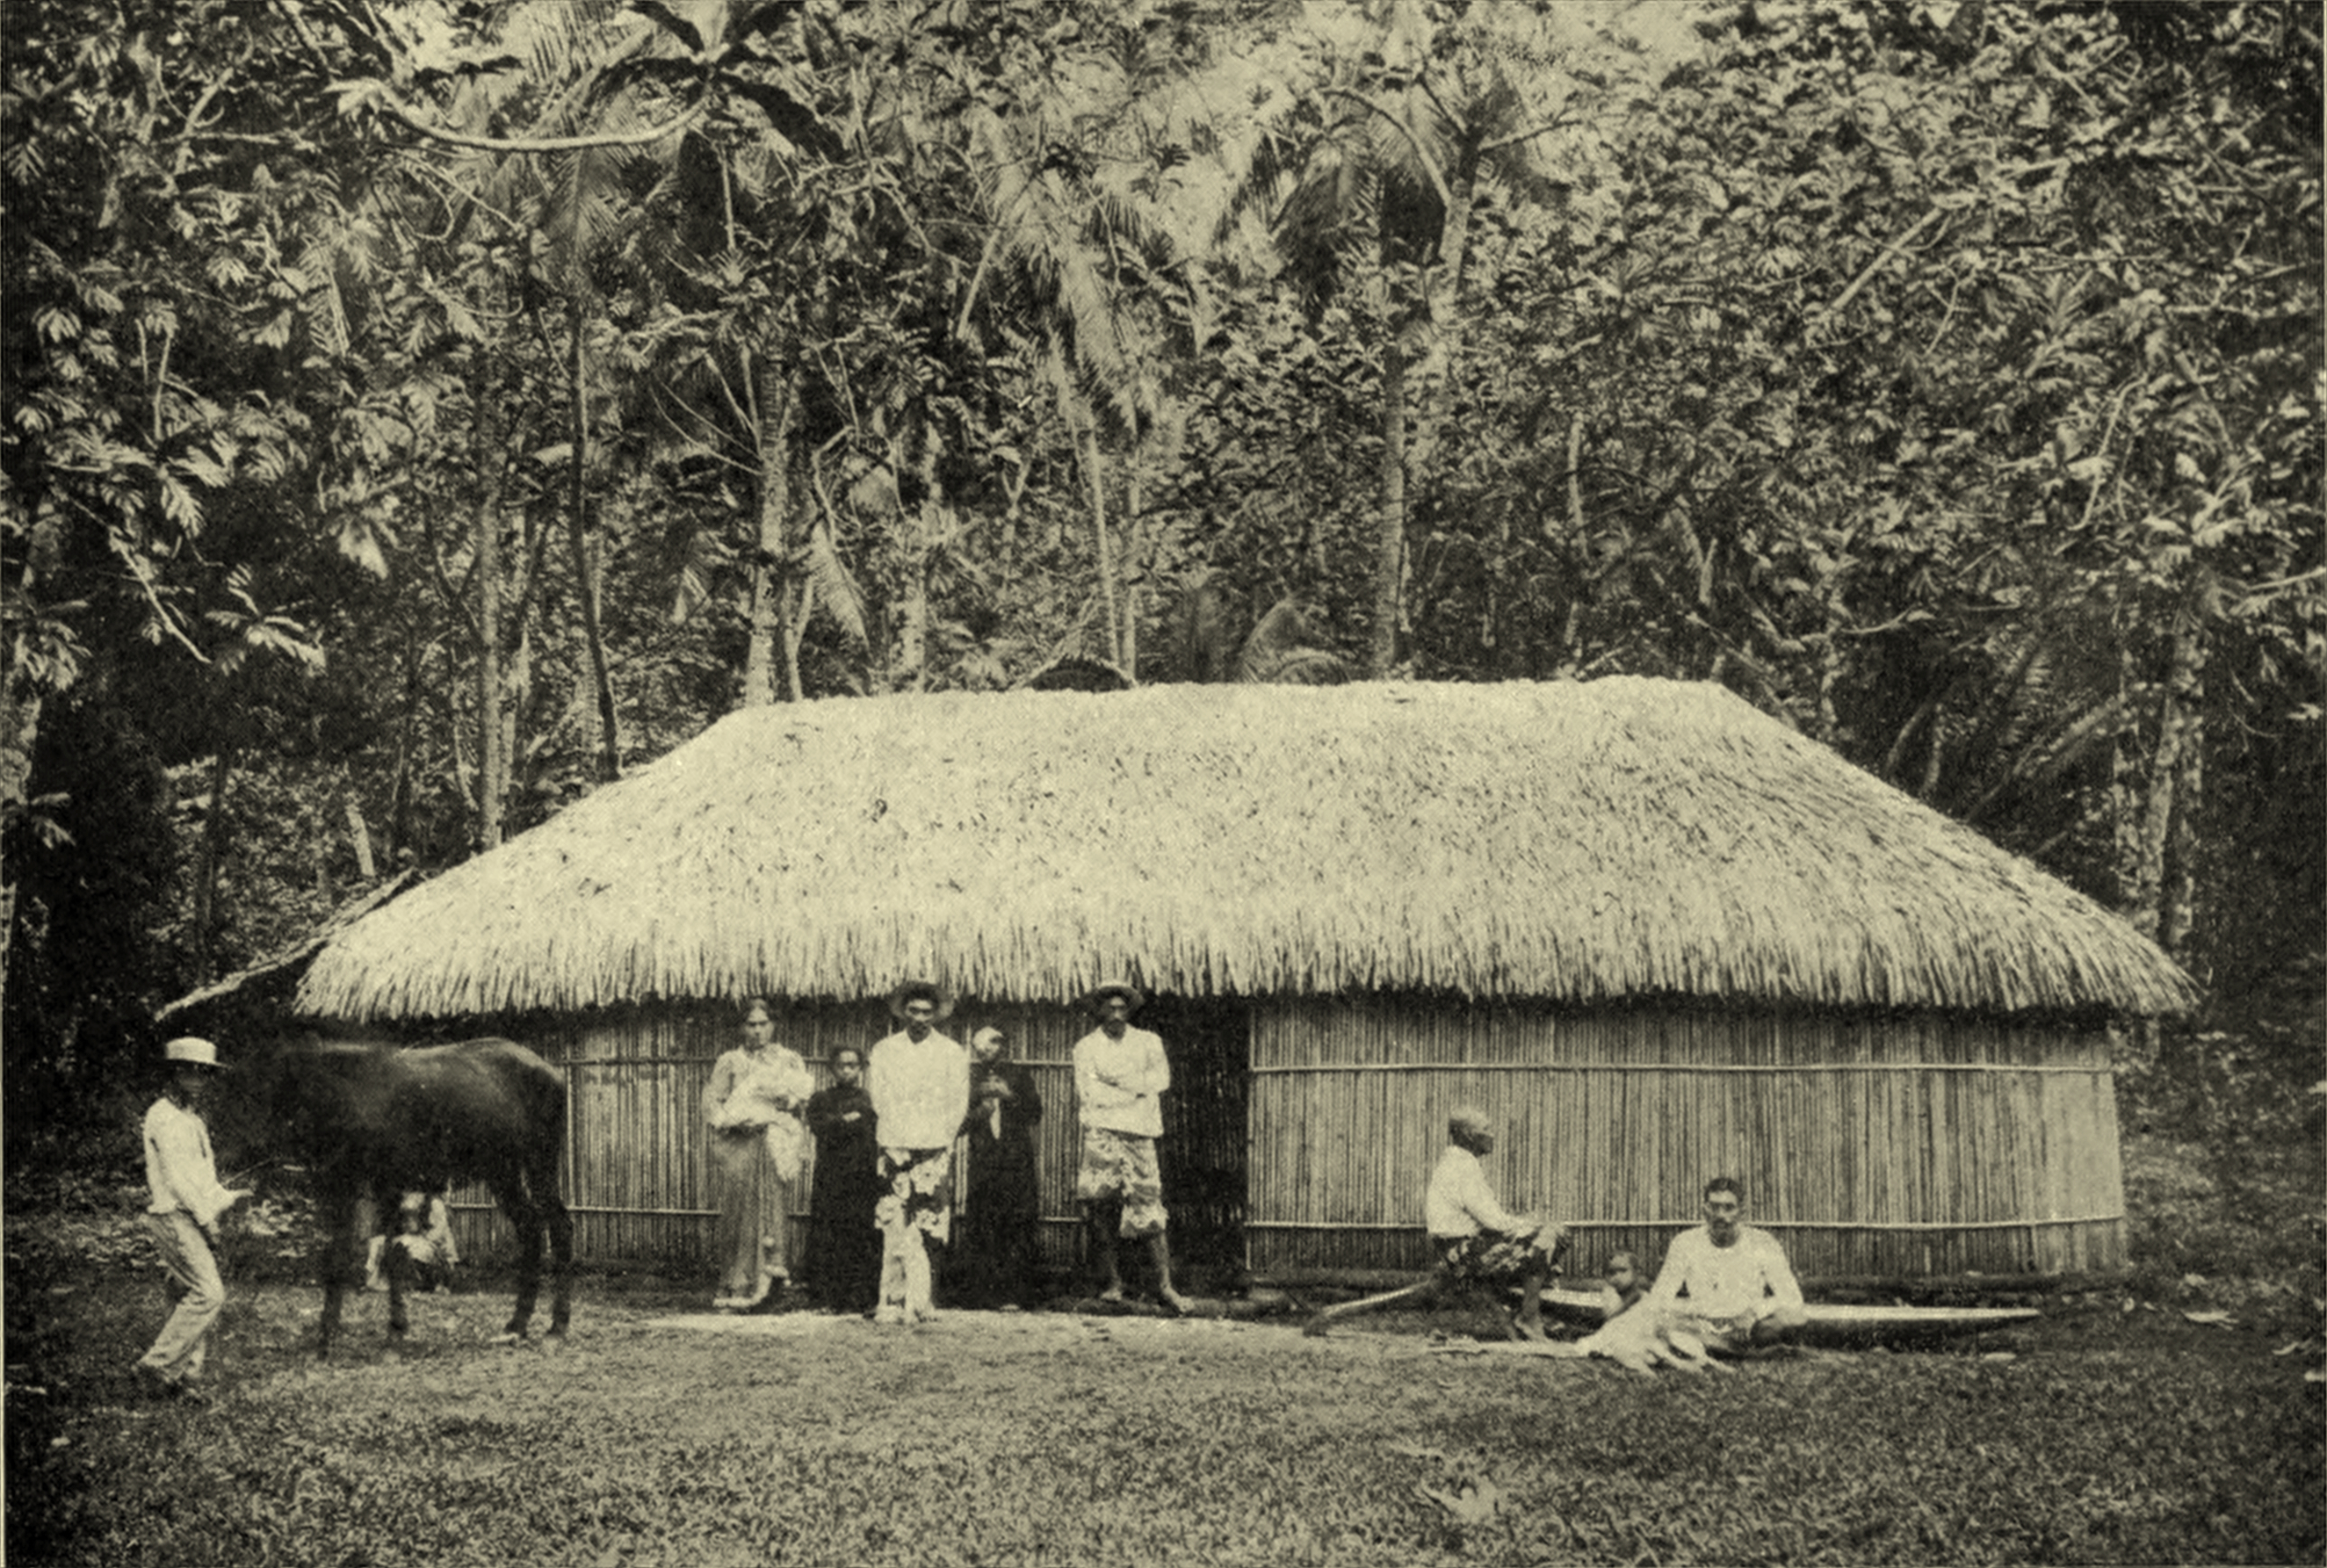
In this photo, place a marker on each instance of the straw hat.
(187, 1050)
(1107, 988)
(926, 989)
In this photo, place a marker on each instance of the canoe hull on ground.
(1840, 1323)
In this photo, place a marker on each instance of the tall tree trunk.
(493, 755)
(770, 567)
(913, 672)
(1135, 538)
(1104, 550)
(2126, 794)
(2174, 724)
(408, 728)
(360, 840)
(1442, 299)
(319, 846)
(20, 728)
(586, 581)
(205, 872)
(2179, 914)
(517, 708)
(1390, 540)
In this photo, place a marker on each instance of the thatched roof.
(267, 974)
(1610, 839)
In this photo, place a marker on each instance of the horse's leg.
(335, 1202)
(560, 1221)
(525, 1215)
(386, 1204)
(549, 1208)
(553, 1217)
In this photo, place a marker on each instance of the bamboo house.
(1656, 933)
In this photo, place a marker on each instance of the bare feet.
(1180, 1305)
(1530, 1329)
(1112, 1295)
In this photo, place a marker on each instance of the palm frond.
(836, 587)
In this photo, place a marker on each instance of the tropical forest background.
(419, 414)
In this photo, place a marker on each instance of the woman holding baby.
(751, 1106)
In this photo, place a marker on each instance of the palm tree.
(1079, 263)
(1369, 174)
(575, 77)
(724, 374)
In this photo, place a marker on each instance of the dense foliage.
(417, 417)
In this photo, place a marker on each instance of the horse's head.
(266, 1108)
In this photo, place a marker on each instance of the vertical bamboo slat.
(1867, 1144)
(1862, 1144)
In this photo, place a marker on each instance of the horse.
(370, 1117)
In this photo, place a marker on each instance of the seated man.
(1476, 1243)
(1725, 1282)
(1475, 1240)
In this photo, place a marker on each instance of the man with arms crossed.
(1120, 1076)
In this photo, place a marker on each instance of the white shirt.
(1118, 1082)
(921, 1091)
(1459, 1202)
(1725, 1281)
(179, 1172)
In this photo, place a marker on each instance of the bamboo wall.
(1906, 1146)
(1892, 1146)
(637, 1174)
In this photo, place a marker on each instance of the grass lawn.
(2116, 1428)
(2104, 1436)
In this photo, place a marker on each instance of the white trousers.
(184, 1345)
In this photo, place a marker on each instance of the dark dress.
(995, 1245)
(843, 1264)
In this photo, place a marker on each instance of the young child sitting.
(1642, 1340)
(1622, 1288)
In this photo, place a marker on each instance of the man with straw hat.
(920, 1083)
(1120, 1076)
(183, 1215)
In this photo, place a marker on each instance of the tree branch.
(397, 107)
(1516, 137)
(1574, 480)
(1842, 300)
(1429, 164)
